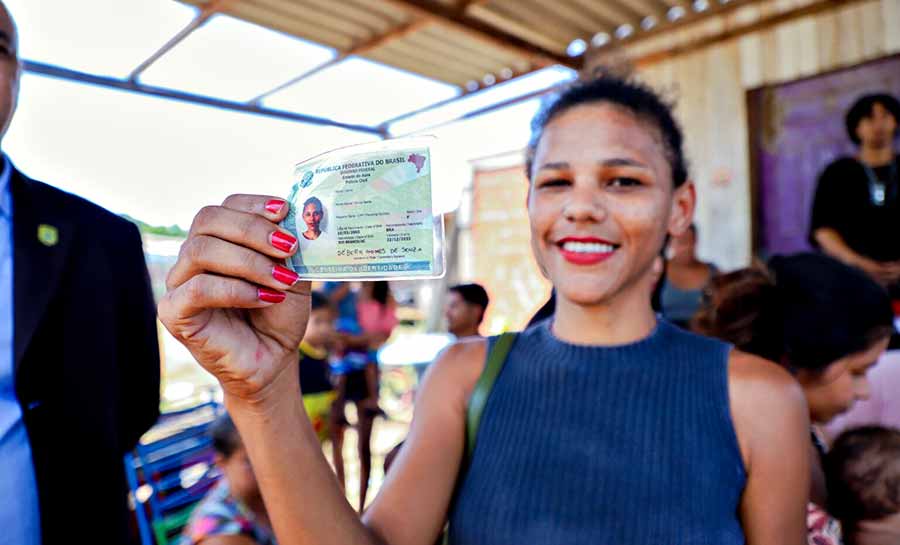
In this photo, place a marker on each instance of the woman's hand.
(231, 301)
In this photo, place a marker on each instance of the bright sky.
(161, 160)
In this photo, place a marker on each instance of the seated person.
(315, 370)
(863, 470)
(232, 513)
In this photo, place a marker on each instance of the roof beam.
(202, 17)
(161, 92)
(359, 49)
(691, 17)
(474, 113)
(459, 20)
(738, 31)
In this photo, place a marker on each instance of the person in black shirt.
(856, 211)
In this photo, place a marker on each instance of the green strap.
(495, 360)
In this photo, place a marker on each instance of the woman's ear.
(684, 200)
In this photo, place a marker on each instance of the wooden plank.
(425, 42)
(647, 7)
(574, 24)
(533, 22)
(762, 24)
(309, 15)
(380, 10)
(612, 11)
(376, 23)
(433, 72)
(455, 71)
(314, 33)
(890, 11)
(405, 48)
(515, 27)
(468, 46)
(483, 31)
(689, 20)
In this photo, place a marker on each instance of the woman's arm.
(247, 337)
(772, 423)
(300, 491)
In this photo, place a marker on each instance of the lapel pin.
(47, 234)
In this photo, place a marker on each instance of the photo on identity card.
(365, 212)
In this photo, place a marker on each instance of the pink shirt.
(376, 318)
(883, 406)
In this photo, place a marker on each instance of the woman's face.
(842, 384)
(601, 202)
(312, 216)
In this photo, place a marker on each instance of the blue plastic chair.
(175, 459)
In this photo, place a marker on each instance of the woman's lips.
(585, 250)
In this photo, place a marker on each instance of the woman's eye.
(556, 182)
(625, 182)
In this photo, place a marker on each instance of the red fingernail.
(284, 275)
(270, 296)
(283, 241)
(274, 206)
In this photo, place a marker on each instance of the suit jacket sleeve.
(139, 369)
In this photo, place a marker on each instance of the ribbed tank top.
(621, 445)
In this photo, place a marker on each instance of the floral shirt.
(220, 514)
(822, 528)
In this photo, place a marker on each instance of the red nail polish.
(270, 296)
(283, 241)
(274, 206)
(284, 275)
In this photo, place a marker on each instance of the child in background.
(315, 372)
(357, 374)
(233, 511)
(863, 471)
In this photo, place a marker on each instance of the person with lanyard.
(605, 424)
(856, 210)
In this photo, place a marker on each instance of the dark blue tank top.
(624, 445)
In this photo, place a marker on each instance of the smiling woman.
(606, 423)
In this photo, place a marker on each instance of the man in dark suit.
(79, 353)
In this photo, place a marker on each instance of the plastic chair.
(175, 460)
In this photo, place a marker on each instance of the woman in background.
(825, 322)
(684, 280)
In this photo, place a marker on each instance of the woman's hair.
(225, 438)
(862, 109)
(315, 202)
(636, 98)
(863, 473)
(805, 310)
(381, 290)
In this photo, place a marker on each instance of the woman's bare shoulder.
(767, 404)
(458, 367)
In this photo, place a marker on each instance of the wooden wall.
(710, 84)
